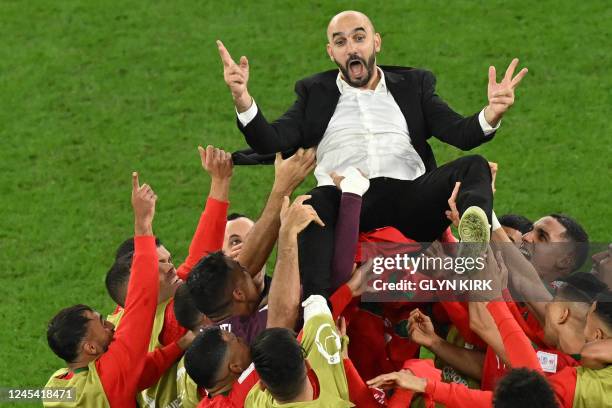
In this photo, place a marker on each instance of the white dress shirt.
(367, 131)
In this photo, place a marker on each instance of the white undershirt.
(360, 132)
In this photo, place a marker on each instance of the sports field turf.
(90, 91)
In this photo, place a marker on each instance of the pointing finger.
(135, 184)
(225, 55)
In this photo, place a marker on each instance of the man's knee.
(476, 162)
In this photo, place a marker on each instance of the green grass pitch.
(91, 90)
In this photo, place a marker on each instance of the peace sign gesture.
(236, 77)
(501, 95)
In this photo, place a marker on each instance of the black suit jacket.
(304, 124)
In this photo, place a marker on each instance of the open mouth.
(356, 68)
(525, 252)
(176, 281)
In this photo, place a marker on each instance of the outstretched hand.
(295, 217)
(501, 94)
(218, 163)
(358, 283)
(236, 77)
(289, 173)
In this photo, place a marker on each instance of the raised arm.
(121, 365)
(523, 277)
(288, 174)
(353, 185)
(284, 296)
(208, 236)
(469, 132)
(281, 135)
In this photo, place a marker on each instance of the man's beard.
(369, 68)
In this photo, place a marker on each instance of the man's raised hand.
(218, 163)
(295, 217)
(236, 77)
(501, 95)
(143, 202)
(289, 173)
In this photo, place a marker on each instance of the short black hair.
(204, 357)
(118, 277)
(522, 387)
(127, 246)
(279, 361)
(233, 216)
(603, 308)
(517, 222)
(210, 284)
(580, 287)
(185, 310)
(66, 330)
(576, 234)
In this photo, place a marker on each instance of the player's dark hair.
(233, 216)
(185, 310)
(118, 277)
(127, 246)
(204, 357)
(580, 287)
(210, 284)
(603, 308)
(576, 234)
(66, 330)
(522, 387)
(517, 222)
(279, 361)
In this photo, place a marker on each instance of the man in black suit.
(377, 119)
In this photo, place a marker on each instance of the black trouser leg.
(417, 207)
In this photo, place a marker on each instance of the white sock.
(495, 221)
(354, 182)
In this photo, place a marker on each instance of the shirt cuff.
(315, 305)
(486, 128)
(217, 204)
(354, 182)
(247, 116)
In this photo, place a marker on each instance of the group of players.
(220, 331)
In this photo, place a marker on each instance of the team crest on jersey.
(328, 343)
